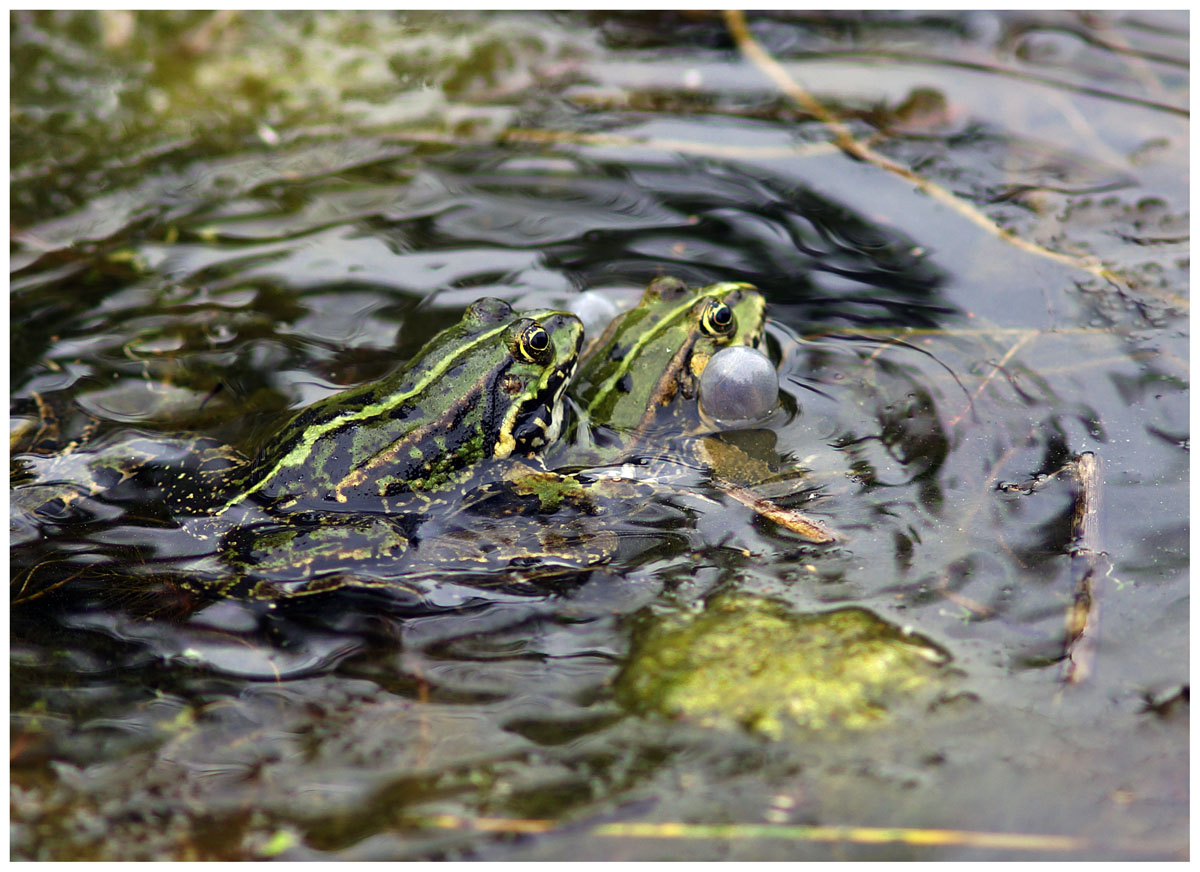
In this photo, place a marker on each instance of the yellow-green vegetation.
(549, 488)
(752, 662)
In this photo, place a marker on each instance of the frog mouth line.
(542, 424)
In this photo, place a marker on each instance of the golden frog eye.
(533, 344)
(717, 319)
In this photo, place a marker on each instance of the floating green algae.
(753, 662)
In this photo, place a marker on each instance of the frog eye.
(717, 319)
(533, 344)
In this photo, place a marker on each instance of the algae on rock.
(753, 662)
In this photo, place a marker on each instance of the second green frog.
(638, 381)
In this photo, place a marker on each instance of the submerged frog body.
(317, 496)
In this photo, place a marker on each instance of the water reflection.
(243, 248)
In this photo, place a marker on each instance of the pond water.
(971, 231)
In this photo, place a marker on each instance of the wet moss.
(752, 662)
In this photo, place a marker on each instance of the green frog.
(344, 479)
(638, 382)
(489, 387)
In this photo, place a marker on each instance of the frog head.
(651, 357)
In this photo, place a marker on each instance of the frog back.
(477, 390)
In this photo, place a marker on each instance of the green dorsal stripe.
(304, 447)
(649, 336)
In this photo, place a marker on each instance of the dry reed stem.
(736, 22)
(799, 833)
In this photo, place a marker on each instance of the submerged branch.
(1082, 619)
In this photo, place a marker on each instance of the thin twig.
(735, 20)
(972, 605)
(20, 600)
(719, 455)
(996, 367)
(801, 524)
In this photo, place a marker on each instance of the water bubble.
(739, 383)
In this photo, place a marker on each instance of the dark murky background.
(219, 217)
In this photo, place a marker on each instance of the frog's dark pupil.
(718, 319)
(539, 340)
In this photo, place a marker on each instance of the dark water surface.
(219, 218)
